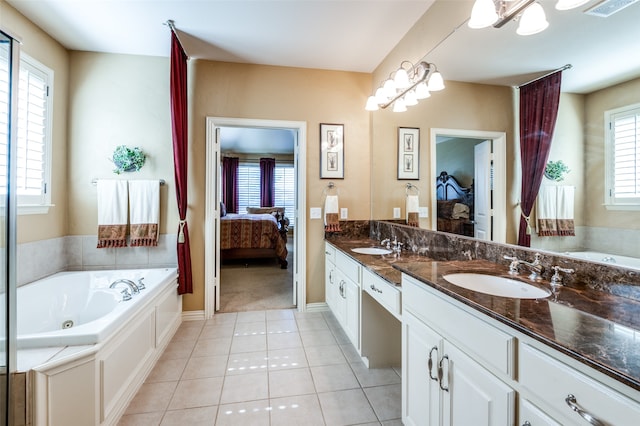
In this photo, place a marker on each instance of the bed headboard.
(448, 188)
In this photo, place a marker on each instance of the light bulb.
(422, 92)
(389, 89)
(381, 97)
(483, 14)
(410, 99)
(399, 106)
(533, 20)
(435, 82)
(372, 104)
(401, 79)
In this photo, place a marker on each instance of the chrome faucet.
(556, 279)
(395, 245)
(534, 267)
(134, 288)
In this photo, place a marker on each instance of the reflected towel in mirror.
(331, 218)
(412, 206)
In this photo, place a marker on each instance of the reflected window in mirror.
(622, 145)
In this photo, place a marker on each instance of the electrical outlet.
(315, 213)
(344, 213)
(423, 211)
(396, 212)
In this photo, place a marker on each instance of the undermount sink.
(370, 250)
(497, 286)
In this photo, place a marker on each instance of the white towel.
(412, 208)
(112, 213)
(144, 212)
(331, 217)
(566, 226)
(546, 210)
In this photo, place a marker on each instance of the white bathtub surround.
(39, 259)
(92, 384)
(611, 259)
(623, 242)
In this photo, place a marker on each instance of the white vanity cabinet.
(444, 381)
(342, 291)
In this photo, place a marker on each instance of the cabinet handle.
(441, 372)
(342, 283)
(430, 363)
(331, 276)
(526, 423)
(373, 287)
(573, 404)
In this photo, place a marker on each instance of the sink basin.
(370, 250)
(497, 286)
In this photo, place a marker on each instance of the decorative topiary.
(555, 170)
(128, 159)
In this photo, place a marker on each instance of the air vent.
(607, 8)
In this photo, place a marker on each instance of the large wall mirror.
(482, 69)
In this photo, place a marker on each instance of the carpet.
(256, 284)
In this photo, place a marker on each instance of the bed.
(455, 206)
(254, 235)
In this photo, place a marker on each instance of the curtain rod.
(566, 67)
(171, 24)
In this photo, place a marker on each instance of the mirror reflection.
(480, 96)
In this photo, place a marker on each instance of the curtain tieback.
(528, 220)
(181, 224)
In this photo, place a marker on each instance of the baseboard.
(192, 315)
(317, 307)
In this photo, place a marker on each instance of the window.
(249, 188)
(33, 135)
(622, 145)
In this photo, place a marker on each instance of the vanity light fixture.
(532, 17)
(409, 84)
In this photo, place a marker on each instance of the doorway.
(482, 164)
(215, 127)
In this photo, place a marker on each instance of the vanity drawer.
(349, 267)
(382, 291)
(553, 381)
(494, 347)
(330, 252)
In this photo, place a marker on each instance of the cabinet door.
(330, 284)
(473, 396)
(420, 392)
(352, 312)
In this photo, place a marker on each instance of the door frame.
(212, 214)
(499, 148)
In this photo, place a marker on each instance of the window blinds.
(626, 156)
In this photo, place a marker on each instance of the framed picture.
(408, 153)
(331, 151)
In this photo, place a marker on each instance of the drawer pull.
(374, 288)
(441, 372)
(430, 363)
(573, 404)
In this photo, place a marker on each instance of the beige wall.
(277, 93)
(40, 46)
(596, 104)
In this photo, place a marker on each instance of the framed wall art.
(408, 153)
(331, 151)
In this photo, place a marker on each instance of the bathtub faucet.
(134, 288)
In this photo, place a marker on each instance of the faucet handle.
(513, 266)
(556, 279)
(126, 294)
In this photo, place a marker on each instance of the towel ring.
(410, 187)
(331, 189)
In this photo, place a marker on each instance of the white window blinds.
(33, 132)
(624, 154)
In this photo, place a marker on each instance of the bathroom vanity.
(473, 358)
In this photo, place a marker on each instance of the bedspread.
(251, 231)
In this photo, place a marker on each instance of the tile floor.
(277, 367)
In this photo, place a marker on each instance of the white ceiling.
(350, 35)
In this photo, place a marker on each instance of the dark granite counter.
(599, 329)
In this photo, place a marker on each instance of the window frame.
(610, 200)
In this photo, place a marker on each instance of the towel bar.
(95, 182)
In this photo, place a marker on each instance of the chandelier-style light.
(532, 17)
(409, 84)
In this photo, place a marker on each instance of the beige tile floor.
(277, 367)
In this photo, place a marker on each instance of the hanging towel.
(412, 204)
(112, 213)
(144, 212)
(331, 218)
(546, 211)
(566, 226)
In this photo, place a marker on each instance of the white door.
(212, 224)
(482, 191)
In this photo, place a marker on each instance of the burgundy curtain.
(538, 112)
(178, 92)
(230, 183)
(267, 182)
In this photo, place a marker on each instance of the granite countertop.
(596, 328)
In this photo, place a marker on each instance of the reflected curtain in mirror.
(230, 183)
(538, 113)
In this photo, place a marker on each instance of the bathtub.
(79, 308)
(612, 259)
